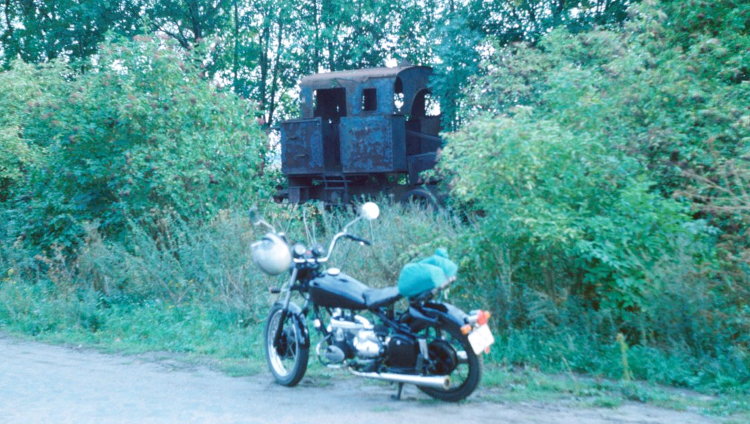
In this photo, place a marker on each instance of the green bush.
(139, 135)
(669, 90)
(605, 175)
(566, 202)
(18, 91)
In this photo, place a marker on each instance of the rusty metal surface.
(359, 75)
(302, 146)
(357, 128)
(412, 80)
(419, 163)
(373, 144)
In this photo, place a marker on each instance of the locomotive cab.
(361, 132)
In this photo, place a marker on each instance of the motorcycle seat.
(376, 298)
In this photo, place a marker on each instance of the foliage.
(17, 91)
(84, 316)
(567, 202)
(192, 281)
(41, 31)
(605, 172)
(635, 87)
(264, 47)
(193, 289)
(139, 134)
(188, 21)
(600, 171)
(192, 260)
(466, 31)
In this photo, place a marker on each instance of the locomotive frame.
(362, 132)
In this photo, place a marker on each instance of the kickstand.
(397, 396)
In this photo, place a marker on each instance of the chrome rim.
(282, 363)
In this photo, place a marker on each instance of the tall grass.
(187, 287)
(192, 288)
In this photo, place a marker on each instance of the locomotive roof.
(360, 75)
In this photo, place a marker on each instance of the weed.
(192, 289)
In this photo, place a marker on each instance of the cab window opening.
(329, 104)
(398, 96)
(369, 100)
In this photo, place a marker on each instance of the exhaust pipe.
(435, 382)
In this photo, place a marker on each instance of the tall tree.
(465, 29)
(38, 31)
(263, 47)
(190, 21)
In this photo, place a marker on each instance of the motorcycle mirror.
(369, 211)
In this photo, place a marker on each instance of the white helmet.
(272, 254)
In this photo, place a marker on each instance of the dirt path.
(50, 384)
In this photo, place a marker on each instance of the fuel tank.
(338, 290)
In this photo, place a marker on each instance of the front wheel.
(451, 354)
(287, 357)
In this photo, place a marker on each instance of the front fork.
(287, 293)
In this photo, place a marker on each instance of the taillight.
(483, 317)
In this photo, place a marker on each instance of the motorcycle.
(429, 343)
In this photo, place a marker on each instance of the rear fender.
(432, 313)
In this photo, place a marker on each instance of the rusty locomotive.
(362, 132)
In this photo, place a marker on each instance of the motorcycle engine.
(402, 352)
(353, 336)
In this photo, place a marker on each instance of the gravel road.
(40, 383)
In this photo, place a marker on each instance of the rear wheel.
(451, 354)
(287, 358)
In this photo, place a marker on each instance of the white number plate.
(481, 338)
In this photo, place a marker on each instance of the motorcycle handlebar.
(256, 220)
(358, 239)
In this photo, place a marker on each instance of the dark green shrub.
(605, 173)
(565, 202)
(139, 135)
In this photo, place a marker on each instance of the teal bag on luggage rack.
(429, 273)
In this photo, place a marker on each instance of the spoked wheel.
(451, 354)
(287, 359)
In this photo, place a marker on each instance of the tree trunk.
(236, 58)
(275, 76)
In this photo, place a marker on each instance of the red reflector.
(483, 317)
